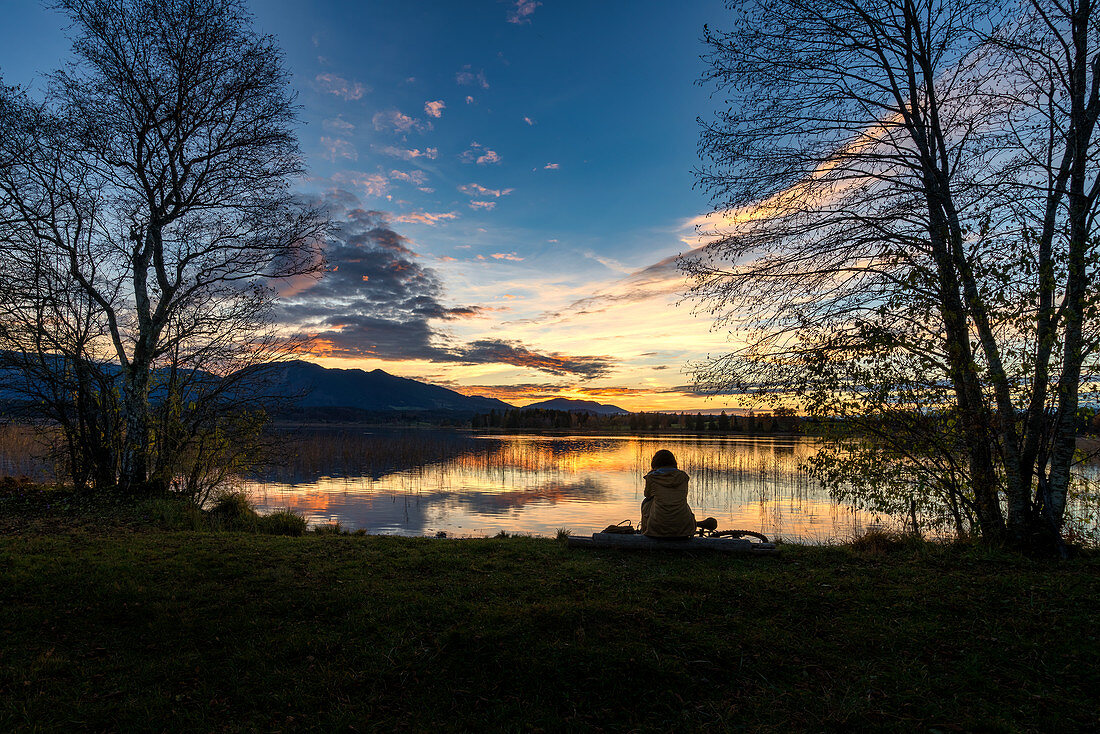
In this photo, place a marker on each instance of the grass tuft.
(331, 528)
(563, 534)
(171, 513)
(879, 542)
(282, 522)
(233, 511)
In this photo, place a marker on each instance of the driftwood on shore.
(641, 542)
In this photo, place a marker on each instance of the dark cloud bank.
(376, 300)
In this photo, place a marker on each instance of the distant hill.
(578, 406)
(320, 393)
(375, 391)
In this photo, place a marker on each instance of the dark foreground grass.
(185, 631)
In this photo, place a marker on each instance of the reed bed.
(307, 455)
(22, 452)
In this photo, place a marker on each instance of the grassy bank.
(138, 629)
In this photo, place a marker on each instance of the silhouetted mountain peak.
(377, 390)
(578, 406)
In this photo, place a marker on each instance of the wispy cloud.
(416, 178)
(480, 155)
(474, 189)
(341, 87)
(369, 184)
(487, 351)
(506, 256)
(653, 283)
(469, 99)
(429, 218)
(522, 11)
(435, 109)
(538, 391)
(528, 120)
(483, 205)
(339, 148)
(398, 122)
(409, 155)
(338, 125)
(551, 167)
(469, 78)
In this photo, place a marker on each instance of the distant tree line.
(781, 420)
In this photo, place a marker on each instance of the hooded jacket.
(665, 511)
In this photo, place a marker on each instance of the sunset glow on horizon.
(510, 183)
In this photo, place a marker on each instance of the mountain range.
(347, 393)
(374, 391)
(379, 391)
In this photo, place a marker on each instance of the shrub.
(563, 534)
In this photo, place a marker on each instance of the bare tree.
(159, 190)
(873, 183)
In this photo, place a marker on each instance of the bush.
(282, 522)
(563, 534)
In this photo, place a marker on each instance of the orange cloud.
(489, 157)
(435, 109)
(429, 218)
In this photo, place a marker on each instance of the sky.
(510, 181)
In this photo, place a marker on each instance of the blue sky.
(523, 167)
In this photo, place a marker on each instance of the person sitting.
(665, 511)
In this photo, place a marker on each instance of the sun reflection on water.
(483, 484)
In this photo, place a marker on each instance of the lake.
(421, 482)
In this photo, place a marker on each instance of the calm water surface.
(467, 484)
